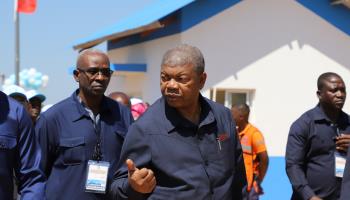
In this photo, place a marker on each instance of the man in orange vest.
(254, 150)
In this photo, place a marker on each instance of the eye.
(182, 79)
(92, 71)
(164, 78)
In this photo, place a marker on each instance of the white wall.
(151, 53)
(276, 47)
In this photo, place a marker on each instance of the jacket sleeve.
(45, 134)
(136, 148)
(31, 179)
(295, 158)
(345, 186)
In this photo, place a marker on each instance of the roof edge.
(148, 27)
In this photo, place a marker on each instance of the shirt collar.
(176, 120)
(245, 130)
(319, 115)
(81, 111)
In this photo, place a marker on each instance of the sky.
(47, 37)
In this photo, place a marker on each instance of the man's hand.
(257, 188)
(315, 198)
(342, 142)
(141, 180)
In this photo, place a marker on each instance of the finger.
(153, 183)
(150, 176)
(342, 142)
(344, 149)
(143, 173)
(345, 135)
(131, 166)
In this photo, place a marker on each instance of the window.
(229, 97)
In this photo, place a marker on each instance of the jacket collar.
(319, 115)
(175, 120)
(80, 109)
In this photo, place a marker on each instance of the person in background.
(121, 98)
(36, 101)
(255, 155)
(185, 146)
(19, 94)
(82, 136)
(19, 153)
(318, 142)
(138, 107)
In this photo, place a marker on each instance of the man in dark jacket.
(318, 142)
(19, 152)
(81, 137)
(185, 146)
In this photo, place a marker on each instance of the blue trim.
(276, 184)
(154, 11)
(338, 15)
(185, 18)
(129, 67)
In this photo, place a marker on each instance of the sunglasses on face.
(93, 71)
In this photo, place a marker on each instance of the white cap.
(46, 107)
(135, 101)
(14, 90)
(35, 94)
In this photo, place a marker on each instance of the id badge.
(340, 161)
(96, 181)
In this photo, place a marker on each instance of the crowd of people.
(183, 146)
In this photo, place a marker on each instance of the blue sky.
(47, 36)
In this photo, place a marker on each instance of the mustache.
(172, 92)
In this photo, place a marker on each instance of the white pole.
(17, 50)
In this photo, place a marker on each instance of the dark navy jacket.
(310, 162)
(67, 136)
(188, 161)
(345, 187)
(19, 152)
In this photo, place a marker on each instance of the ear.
(318, 93)
(75, 74)
(202, 79)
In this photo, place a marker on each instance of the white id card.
(96, 181)
(340, 161)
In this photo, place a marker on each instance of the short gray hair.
(86, 52)
(184, 54)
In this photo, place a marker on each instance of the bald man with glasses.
(81, 137)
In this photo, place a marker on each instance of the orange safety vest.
(249, 152)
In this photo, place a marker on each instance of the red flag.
(26, 6)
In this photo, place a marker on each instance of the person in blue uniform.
(318, 142)
(81, 137)
(19, 152)
(345, 187)
(185, 146)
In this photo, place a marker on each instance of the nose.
(172, 83)
(340, 94)
(100, 76)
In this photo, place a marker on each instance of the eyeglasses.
(93, 71)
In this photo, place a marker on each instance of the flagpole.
(17, 50)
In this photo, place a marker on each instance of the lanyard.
(97, 154)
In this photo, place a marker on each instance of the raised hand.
(141, 180)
